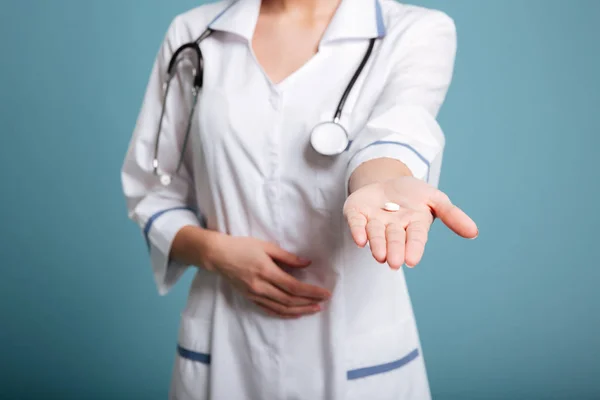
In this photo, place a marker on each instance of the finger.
(273, 313)
(276, 294)
(290, 259)
(357, 223)
(376, 235)
(293, 286)
(295, 311)
(396, 239)
(452, 216)
(416, 238)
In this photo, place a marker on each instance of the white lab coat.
(250, 171)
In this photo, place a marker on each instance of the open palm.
(399, 237)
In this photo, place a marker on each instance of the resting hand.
(250, 266)
(399, 237)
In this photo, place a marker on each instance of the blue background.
(511, 315)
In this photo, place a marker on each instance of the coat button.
(271, 189)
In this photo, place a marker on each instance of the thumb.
(452, 216)
(290, 259)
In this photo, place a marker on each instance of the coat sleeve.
(403, 123)
(161, 211)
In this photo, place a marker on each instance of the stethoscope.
(327, 138)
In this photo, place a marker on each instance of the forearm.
(191, 245)
(376, 171)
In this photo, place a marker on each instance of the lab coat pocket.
(386, 365)
(192, 365)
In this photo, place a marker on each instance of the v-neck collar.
(354, 19)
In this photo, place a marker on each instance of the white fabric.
(249, 170)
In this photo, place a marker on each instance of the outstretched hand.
(399, 237)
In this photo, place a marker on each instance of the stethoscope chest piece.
(329, 138)
(165, 179)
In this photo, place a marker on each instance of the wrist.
(207, 246)
(194, 245)
(377, 171)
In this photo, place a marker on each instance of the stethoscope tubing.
(350, 86)
(198, 82)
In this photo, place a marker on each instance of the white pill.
(391, 207)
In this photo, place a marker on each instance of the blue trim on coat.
(193, 355)
(379, 19)
(408, 146)
(155, 216)
(219, 15)
(380, 369)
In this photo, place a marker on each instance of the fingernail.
(476, 235)
(304, 260)
(317, 308)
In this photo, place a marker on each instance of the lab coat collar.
(238, 17)
(354, 19)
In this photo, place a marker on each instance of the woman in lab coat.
(292, 298)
